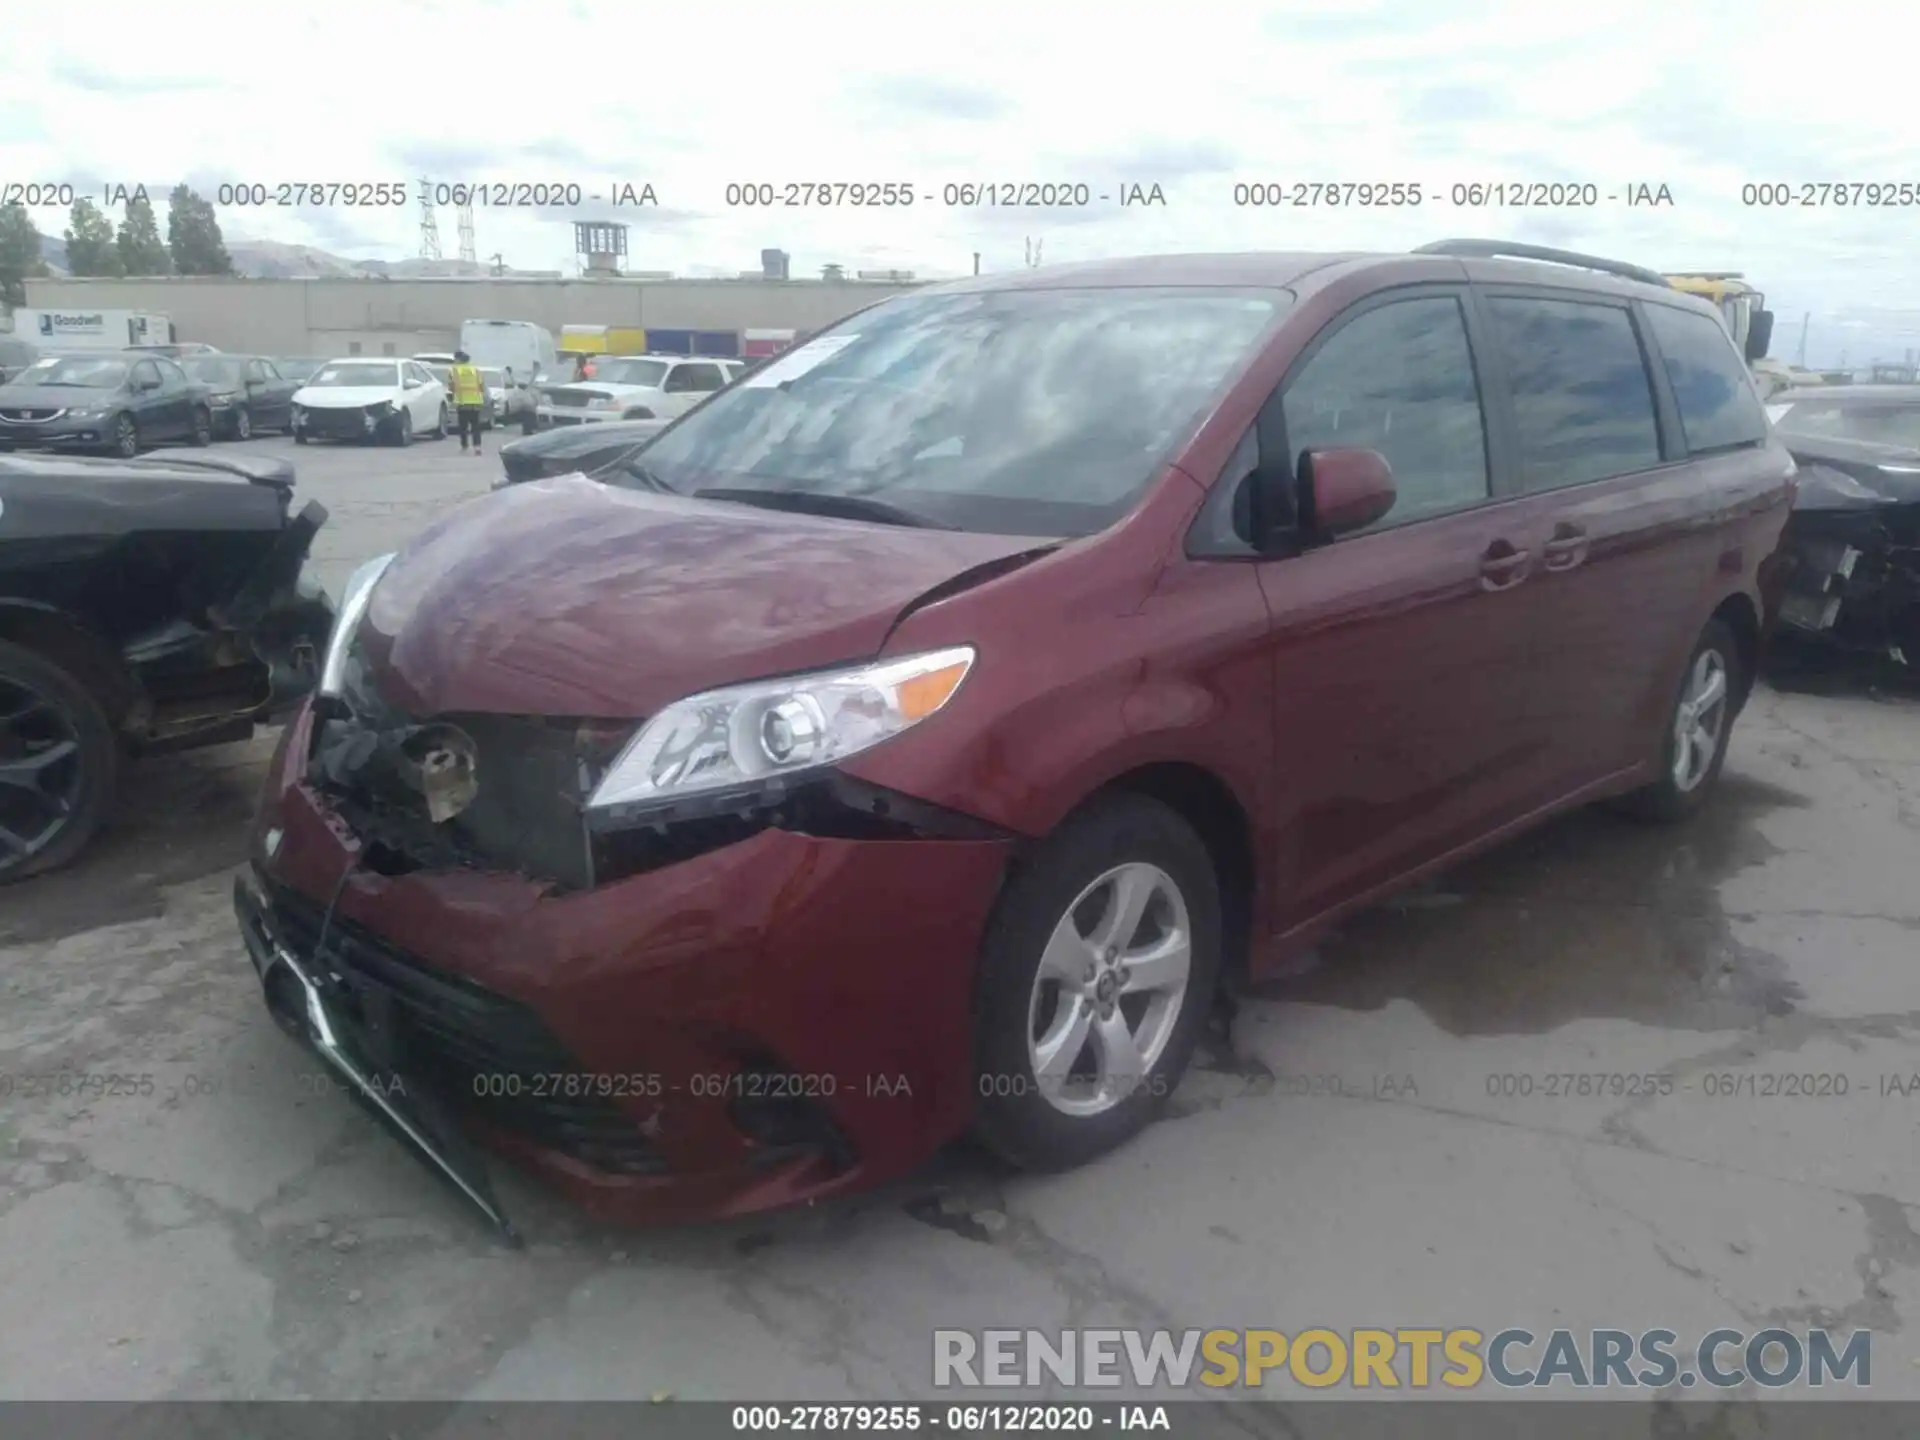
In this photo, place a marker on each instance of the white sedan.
(358, 398)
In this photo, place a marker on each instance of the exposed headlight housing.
(761, 733)
(353, 608)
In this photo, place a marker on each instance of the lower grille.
(337, 424)
(485, 1054)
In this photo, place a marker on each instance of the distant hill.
(276, 260)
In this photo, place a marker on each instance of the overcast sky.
(1194, 98)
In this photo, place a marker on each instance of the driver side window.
(1398, 379)
(146, 375)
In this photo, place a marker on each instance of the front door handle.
(1503, 565)
(1566, 548)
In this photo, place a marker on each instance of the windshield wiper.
(638, 471)
(814, 502)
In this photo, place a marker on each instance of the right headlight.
(353, 608)
(727, 739)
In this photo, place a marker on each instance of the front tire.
(1096, 978)
(1699, 725)
(402, 429)
(242, 424)
(126, 437)
(202, 428)
(59, 761)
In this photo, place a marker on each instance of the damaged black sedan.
(145, 606)
(1853, 544)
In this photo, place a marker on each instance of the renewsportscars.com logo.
(1414, 1359)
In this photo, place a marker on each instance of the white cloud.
(1192, 97)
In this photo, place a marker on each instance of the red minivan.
(913, 737)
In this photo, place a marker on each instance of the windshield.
(92, 374)
(629, 372)
(214, 372)
(358, 372)
(297, 369)
(1019, 412)
(1897, 424)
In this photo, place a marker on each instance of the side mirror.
(1344, 490)
(1759, 335)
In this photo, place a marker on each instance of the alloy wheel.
(40, 772)
(1699, 719)
(242, 425)
(126, 437)
(1109, 989)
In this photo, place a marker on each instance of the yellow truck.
(577, 340)
(1748, 320)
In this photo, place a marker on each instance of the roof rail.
(1513, 250)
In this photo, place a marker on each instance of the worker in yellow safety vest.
(469, 398)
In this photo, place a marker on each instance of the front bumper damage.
(727, 1022)
(1852, 581)
(297, 997)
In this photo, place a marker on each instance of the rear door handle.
(1566, 548)
(1503, 565)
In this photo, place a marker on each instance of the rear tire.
(1058, 970)
(1699, 726)
(43, 707)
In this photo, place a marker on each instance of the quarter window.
(1398, 379)
(1582, 404)
(1718, 408)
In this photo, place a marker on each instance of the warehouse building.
(403, 317)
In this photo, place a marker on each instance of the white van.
(517, 345)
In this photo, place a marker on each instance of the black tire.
(529, 425)
(299, 437)
(126, 437)
(440, 430)
(402, 428)
(202, 427)
(1666, 800)
(1014, 1117)
(243, 424)
(86, 779)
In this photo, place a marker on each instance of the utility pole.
(1033, 253)
(466, 233)
(429, 227)
(1804, 319)
(976, 262)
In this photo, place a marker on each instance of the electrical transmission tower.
(429, 227)
(466, 234)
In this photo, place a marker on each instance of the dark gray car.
(247, 393)
(118, 403)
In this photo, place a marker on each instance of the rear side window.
(1718, 408)
(1398, 379)
(1582, 403)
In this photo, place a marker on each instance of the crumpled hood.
(345, 397)
(569, 598)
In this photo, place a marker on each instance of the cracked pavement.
(1381, 1143)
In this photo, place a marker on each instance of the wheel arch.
(1207, 803)
(1740, 615)
(68, 642)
